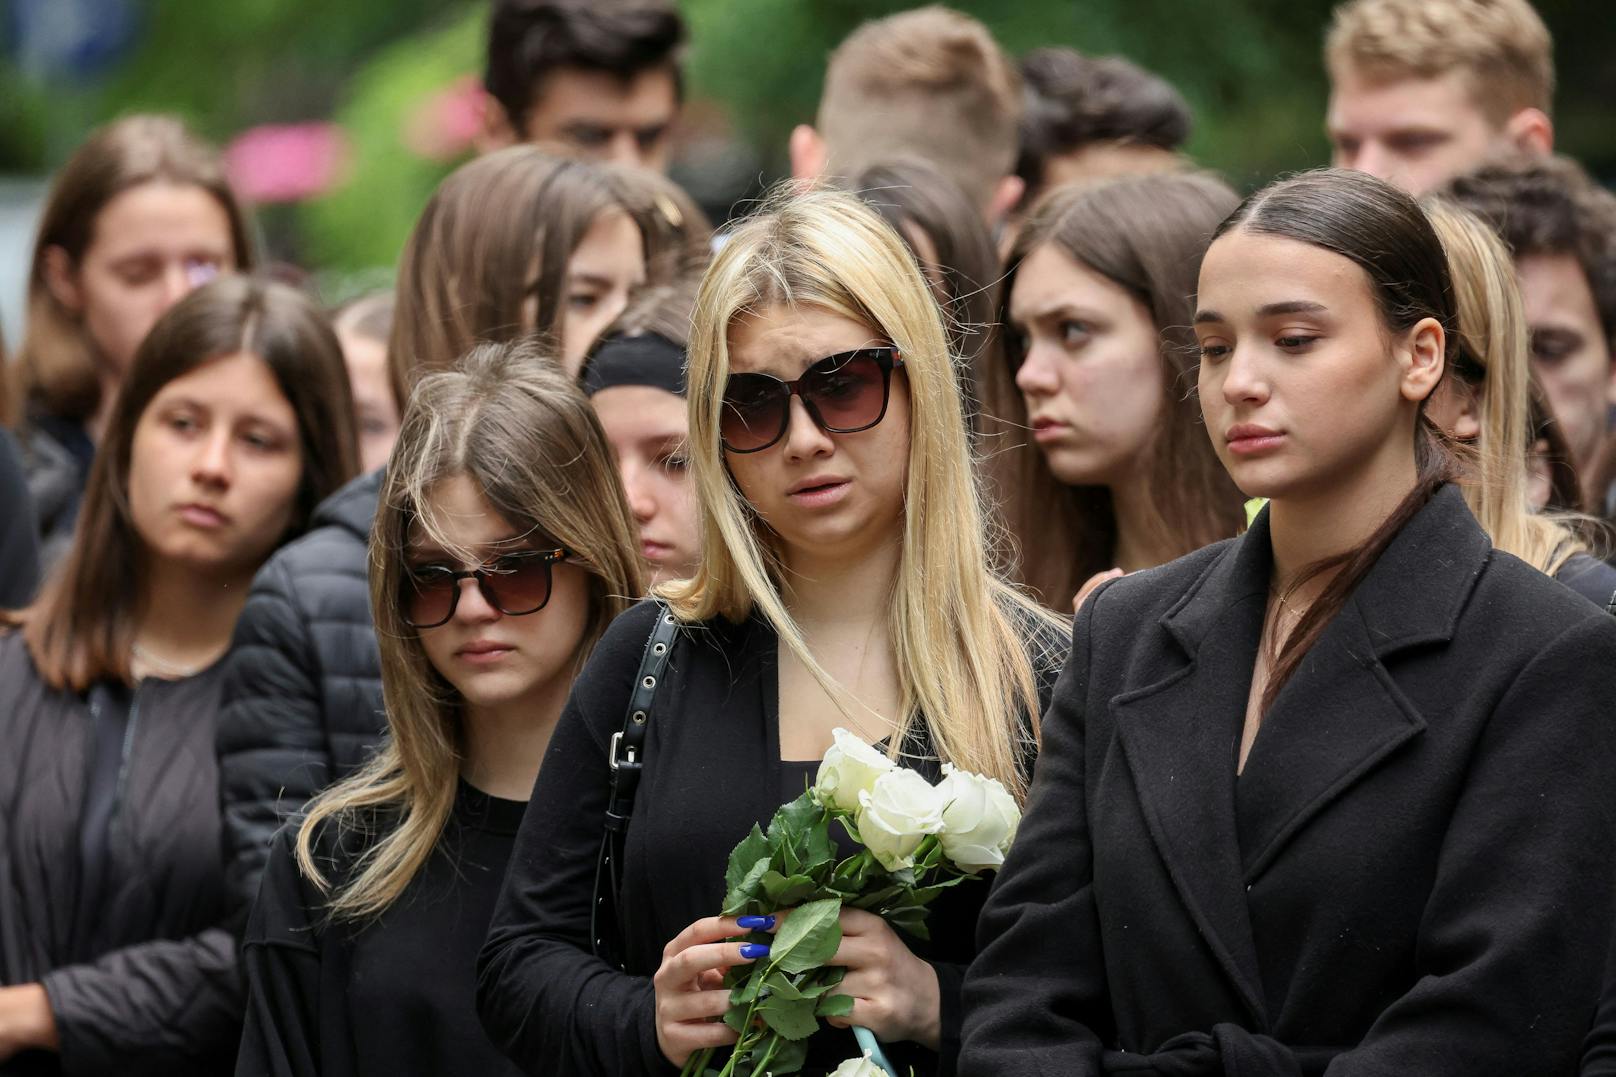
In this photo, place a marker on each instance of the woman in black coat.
(234, 420)
(1290, 816)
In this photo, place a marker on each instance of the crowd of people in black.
(1259, 547)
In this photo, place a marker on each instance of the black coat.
(303, 689)
(1412, 875)
(141, 978)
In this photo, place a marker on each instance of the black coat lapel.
(1341, 714)
(1180, 735)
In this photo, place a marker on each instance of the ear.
(808, 153)
(1531, 131)
(495, 132)
(1422, 359)
(1006, 196)
(62, 278)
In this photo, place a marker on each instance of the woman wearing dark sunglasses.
(844, 581)
(502, 548)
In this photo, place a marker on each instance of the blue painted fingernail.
(749, 950)
(757, 923)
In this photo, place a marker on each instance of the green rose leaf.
(790, 1057)
(792, 821)
(753, 847)
(744, 992)
(834, 1006)
(782, 892)
(791, 1018)
(748, 889)
(809, 937)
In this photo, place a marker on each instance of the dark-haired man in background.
(1094, 117)
(1561, 227)
(599, 78)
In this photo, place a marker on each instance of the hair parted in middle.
(81, 626)
(1383, 232)
(1147, 234)
(957, 628)
(510, 419)
(487, 260)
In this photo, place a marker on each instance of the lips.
(819, 491)
(202, 515)
(482, 652)
(1249, 439)
(1044, 428)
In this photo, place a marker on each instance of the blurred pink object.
(287, 162)
(445, 124)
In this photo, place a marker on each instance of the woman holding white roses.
(845, 581)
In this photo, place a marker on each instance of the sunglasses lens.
(428, 596)
(754, 413)
(519, 584)
(849, 393)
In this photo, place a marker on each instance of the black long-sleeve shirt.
(389, 997)
(712, 769)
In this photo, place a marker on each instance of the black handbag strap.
(626, 760)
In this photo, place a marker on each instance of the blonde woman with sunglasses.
(844, 580)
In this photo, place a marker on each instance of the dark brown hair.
(80, 628)
(487, 261)
(529, 39)
(1382, 231)
(1147, 234)
(55, 368)
(1549, 205)
(1073, 100)
(910, 192)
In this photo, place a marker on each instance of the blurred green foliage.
(1251, 70)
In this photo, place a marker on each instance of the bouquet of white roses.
(917, 840)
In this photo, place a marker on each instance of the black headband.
(647, 359)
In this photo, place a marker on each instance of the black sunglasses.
(843, 394)
(515, 584)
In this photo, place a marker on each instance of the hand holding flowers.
(837, 942)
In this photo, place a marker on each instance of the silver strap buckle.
(611, 759)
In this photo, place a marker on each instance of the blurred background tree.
(395, 79)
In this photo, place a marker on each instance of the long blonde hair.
(958, 630)
(511, 420)
(1493, 337)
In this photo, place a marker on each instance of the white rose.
(850, 767)
(858, 1067)
(980, 818)
(896, 815)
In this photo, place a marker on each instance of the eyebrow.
(1270, 310)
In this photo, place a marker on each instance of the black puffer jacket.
(302, 691)
(140, 972)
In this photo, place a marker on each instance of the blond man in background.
(1423, 90)
(929, 83)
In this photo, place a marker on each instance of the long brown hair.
(1146, 234)
(510, 419)
(56, 367)
(80, 628)
(487, 261)
(1382, 231)
(909, 192)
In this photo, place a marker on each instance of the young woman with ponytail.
(1334, 793)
